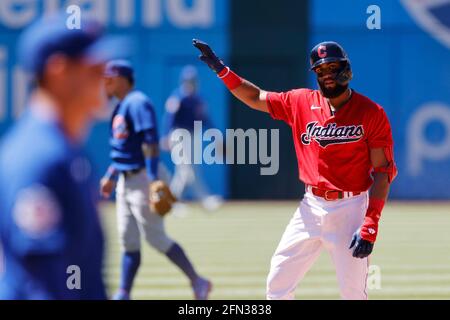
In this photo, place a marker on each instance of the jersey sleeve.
(142, 115)
(282, 105)
(150, 136)
(37, 220)
(380, 133)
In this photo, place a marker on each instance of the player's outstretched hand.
(208, 56)
(362, 248)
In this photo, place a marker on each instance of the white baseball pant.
(134, 216)
(319, 224)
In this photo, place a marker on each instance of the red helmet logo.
(322, 51)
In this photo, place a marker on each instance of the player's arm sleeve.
(48, 277)
(380, 133)
(143, 116)
(112, 173)
(380, 136)
(37, 222)
(39, 236)
(280, 106)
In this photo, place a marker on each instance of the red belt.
(331, 195)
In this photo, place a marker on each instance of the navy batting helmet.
(330, 51)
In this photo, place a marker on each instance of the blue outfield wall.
(405, 67)
(161, 32)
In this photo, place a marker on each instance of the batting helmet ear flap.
(345, 74)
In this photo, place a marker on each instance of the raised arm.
(244, 90)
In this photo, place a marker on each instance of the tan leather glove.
(161, 198)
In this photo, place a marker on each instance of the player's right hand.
(107, 187)
(208, 56)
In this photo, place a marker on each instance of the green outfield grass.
(233, 247)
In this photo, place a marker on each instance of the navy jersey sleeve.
(142, 115)
(36, 217)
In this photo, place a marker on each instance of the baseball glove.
(161, 198)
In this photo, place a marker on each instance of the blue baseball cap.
(51, 35)
(119, 68)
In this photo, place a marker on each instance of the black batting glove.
(208, 56)
(362, 248)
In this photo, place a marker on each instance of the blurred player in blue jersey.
(135, 156)
(183, 108)
(49, 226)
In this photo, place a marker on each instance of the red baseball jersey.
(332, 150)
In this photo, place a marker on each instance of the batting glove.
(362, 248)
(208, 56)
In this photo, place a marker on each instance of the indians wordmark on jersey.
(331, 134)
(329, 146)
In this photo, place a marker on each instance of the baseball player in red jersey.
(344, 146)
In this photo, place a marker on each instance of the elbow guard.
(391, 168)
